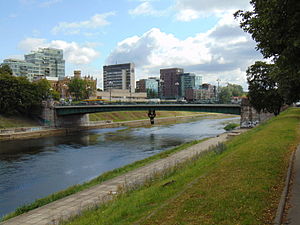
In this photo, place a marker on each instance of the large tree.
(18, 95)
(229, 91)
(275, 26)
(263, 88)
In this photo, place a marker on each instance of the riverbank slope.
(239, 183)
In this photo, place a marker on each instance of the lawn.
(241, 185)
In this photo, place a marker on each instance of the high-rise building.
(22, 68)
(170, 81)
(189, 81)
(49, 61)
(119, 76)
(150, 85)
(45, 62)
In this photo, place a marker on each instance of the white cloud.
(145, 8)
(188, 10)
(223, 52)
(96, 21)
(73, 52)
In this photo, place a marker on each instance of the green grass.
(241, 185)
(231, 126)
(105, 176)
(136, 115)
(16, 121)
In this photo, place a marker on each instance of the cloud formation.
(145, 8)
(222, 52)
(73, 52)
(96, 21)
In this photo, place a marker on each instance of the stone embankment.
(75, 204)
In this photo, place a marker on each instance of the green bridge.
(76, 115)
(216, 108)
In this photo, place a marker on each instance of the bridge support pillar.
(151, 115)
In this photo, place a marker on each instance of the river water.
(31, 169)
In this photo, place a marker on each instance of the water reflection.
(31, 169)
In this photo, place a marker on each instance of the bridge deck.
(83, 109)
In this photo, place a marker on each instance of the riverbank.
(37, 132)
(144, 166)
(239, 183)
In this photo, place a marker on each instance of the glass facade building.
(45, 62)
(49, 61)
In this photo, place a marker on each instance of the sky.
(199, 36)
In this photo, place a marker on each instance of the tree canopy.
(18, 94)
(81, 89)
(229, 91)
(263, 89)
(275, 26)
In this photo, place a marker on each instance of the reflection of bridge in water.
(76, 115)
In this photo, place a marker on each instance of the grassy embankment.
(241, 185)
(136, 115)
(16, 121)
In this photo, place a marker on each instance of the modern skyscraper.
(49, 61)
(170, 81)
(119, 76)
(189, 81)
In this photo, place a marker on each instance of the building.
(119, 76)
(22, 68)
(208, 92)
(170, 81)
(46, 62)
(122, 95)
(49, 61)
(189, 81)
(150, 85)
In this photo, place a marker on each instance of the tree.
(18, 95)
(77, 88)
(229, 91)
(274, 25)
(263, 88)
(5, 69)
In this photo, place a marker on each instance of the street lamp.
(110, 83)
(177, 91)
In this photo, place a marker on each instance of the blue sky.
(198, 35)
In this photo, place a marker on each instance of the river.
(31, 169)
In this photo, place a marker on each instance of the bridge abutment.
(51, 119)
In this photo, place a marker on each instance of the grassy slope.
(135, 115)
(240, 186)
(16, 121)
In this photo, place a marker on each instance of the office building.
(150, 85)
(189, 81)
(170, 82)
(49, 61)
(119, 76)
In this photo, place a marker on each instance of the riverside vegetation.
(240, 184)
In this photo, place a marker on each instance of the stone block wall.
(250, 117)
